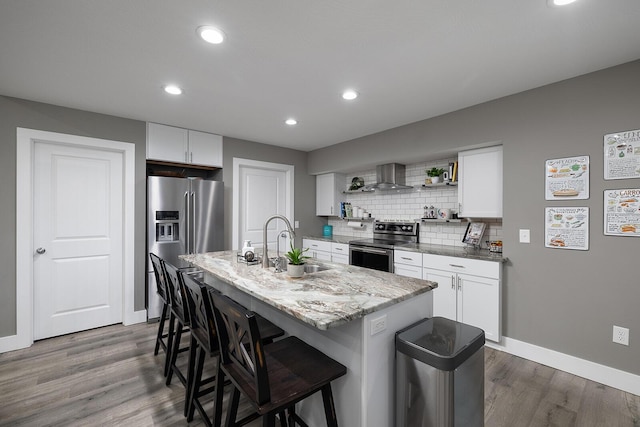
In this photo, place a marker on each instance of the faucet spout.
(265, 252)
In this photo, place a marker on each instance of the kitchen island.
(349, 313)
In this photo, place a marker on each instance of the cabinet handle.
(338, 249)
(191, 157)
(459, 284)
(456, 265)
(453, 285)
(331, 210)
(407, 258)
(186, 157)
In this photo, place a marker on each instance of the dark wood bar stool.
(161, 289)
(179, 321)
(204, 342)
(273, 377)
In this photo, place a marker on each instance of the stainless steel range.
(377, 253)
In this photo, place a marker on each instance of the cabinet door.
(445, 295)
(166, 143)
(480, 183)
(328, 190)
(479, 304)
(321, 255)
(205, 149)
(340, 258)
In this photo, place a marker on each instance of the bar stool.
(161, 289)
(204, 342)
(178, 322)
(273, 377)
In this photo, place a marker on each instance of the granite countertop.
(456, 251)
(426, 248)
(324, 299)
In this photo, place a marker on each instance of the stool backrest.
(241, 351)
(161, 282)
(203, 325)
(175, 290)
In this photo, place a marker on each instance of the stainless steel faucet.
(265, 252)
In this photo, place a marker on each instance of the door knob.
(41, 250)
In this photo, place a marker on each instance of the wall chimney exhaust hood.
(390, 176)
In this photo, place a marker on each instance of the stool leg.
(329, 407)
(175, 349)
(160, 329)
(191, 379)
(172, 323)
(217, 407)
(232, 410)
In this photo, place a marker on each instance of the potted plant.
(435, 173)
(296, 261)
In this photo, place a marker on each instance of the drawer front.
(340, 248)
(474, 267)
(316, 245)
(407, 271)
(407, 257)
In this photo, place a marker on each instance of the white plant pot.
(435, 179)
(295, 270)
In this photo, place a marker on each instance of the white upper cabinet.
(480, 183)
(177, 145)
(329, 188)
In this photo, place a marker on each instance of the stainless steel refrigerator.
(184, 216)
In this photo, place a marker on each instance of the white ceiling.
(410, 60)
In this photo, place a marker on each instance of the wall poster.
(622, 155)
(567, 228)
(567, 178)
(622, 212)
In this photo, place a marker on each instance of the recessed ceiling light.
(291, 122)
(560, 2)
(349, 94)
(173, 90)
(211, 34)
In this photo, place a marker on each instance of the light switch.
(296, 224)
(525, 235)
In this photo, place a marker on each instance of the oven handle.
(371, 251)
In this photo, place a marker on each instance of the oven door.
(375, 258)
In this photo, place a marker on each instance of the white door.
(78, 238)
(261, 189)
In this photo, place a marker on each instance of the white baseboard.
(616, 378)
(139, 316)
(13, 342)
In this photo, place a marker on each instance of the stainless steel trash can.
(439, 374)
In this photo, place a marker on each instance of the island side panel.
(378, 365)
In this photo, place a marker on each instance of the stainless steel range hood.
(390, 176)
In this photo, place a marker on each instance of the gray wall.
(27, 114)
(304, 186)
(563, 300)
(16, 113)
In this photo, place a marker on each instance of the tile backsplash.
(409, 205)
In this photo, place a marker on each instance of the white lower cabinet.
(469, 291)
(340, 253)
(407, 264)
(318, 249)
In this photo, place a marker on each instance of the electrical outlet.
(378, 325)
(620, 335)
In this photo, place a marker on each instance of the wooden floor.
(109, 376)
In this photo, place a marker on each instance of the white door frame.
(26, 139)
(289, 192)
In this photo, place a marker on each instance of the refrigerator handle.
(193, 223)
(186, 222)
